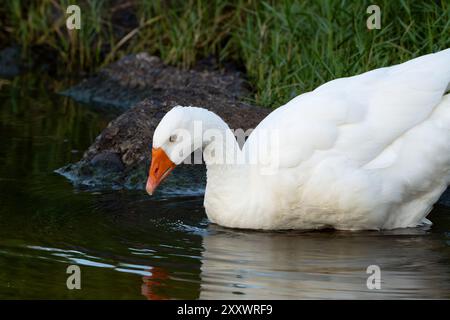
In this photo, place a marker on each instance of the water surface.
(131, 246)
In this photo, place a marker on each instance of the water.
(130, 246)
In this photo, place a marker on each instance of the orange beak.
(159, 169)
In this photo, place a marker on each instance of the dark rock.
(136, 77)
(123, 149)
(110, 161)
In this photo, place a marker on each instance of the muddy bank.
(133, 78)
(146, 88)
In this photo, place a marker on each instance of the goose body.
(370, 151)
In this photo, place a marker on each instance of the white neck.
(219, 144)
(227, 175)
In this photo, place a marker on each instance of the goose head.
(172, 143)
(180, 132)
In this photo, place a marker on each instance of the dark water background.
(130, 246)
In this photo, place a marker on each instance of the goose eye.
(173, 138)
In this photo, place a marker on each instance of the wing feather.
(358, 116)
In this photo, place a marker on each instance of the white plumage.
(370, 151)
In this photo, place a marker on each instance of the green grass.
(286, 47)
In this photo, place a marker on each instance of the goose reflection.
(293, 265)
(153, 282)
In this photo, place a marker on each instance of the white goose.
(370, 151)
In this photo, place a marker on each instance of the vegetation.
(286, 47)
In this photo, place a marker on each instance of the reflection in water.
(261, 265)
(151, 284)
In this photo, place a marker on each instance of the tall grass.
(286, 47)
(43, 23)
(290, 47)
